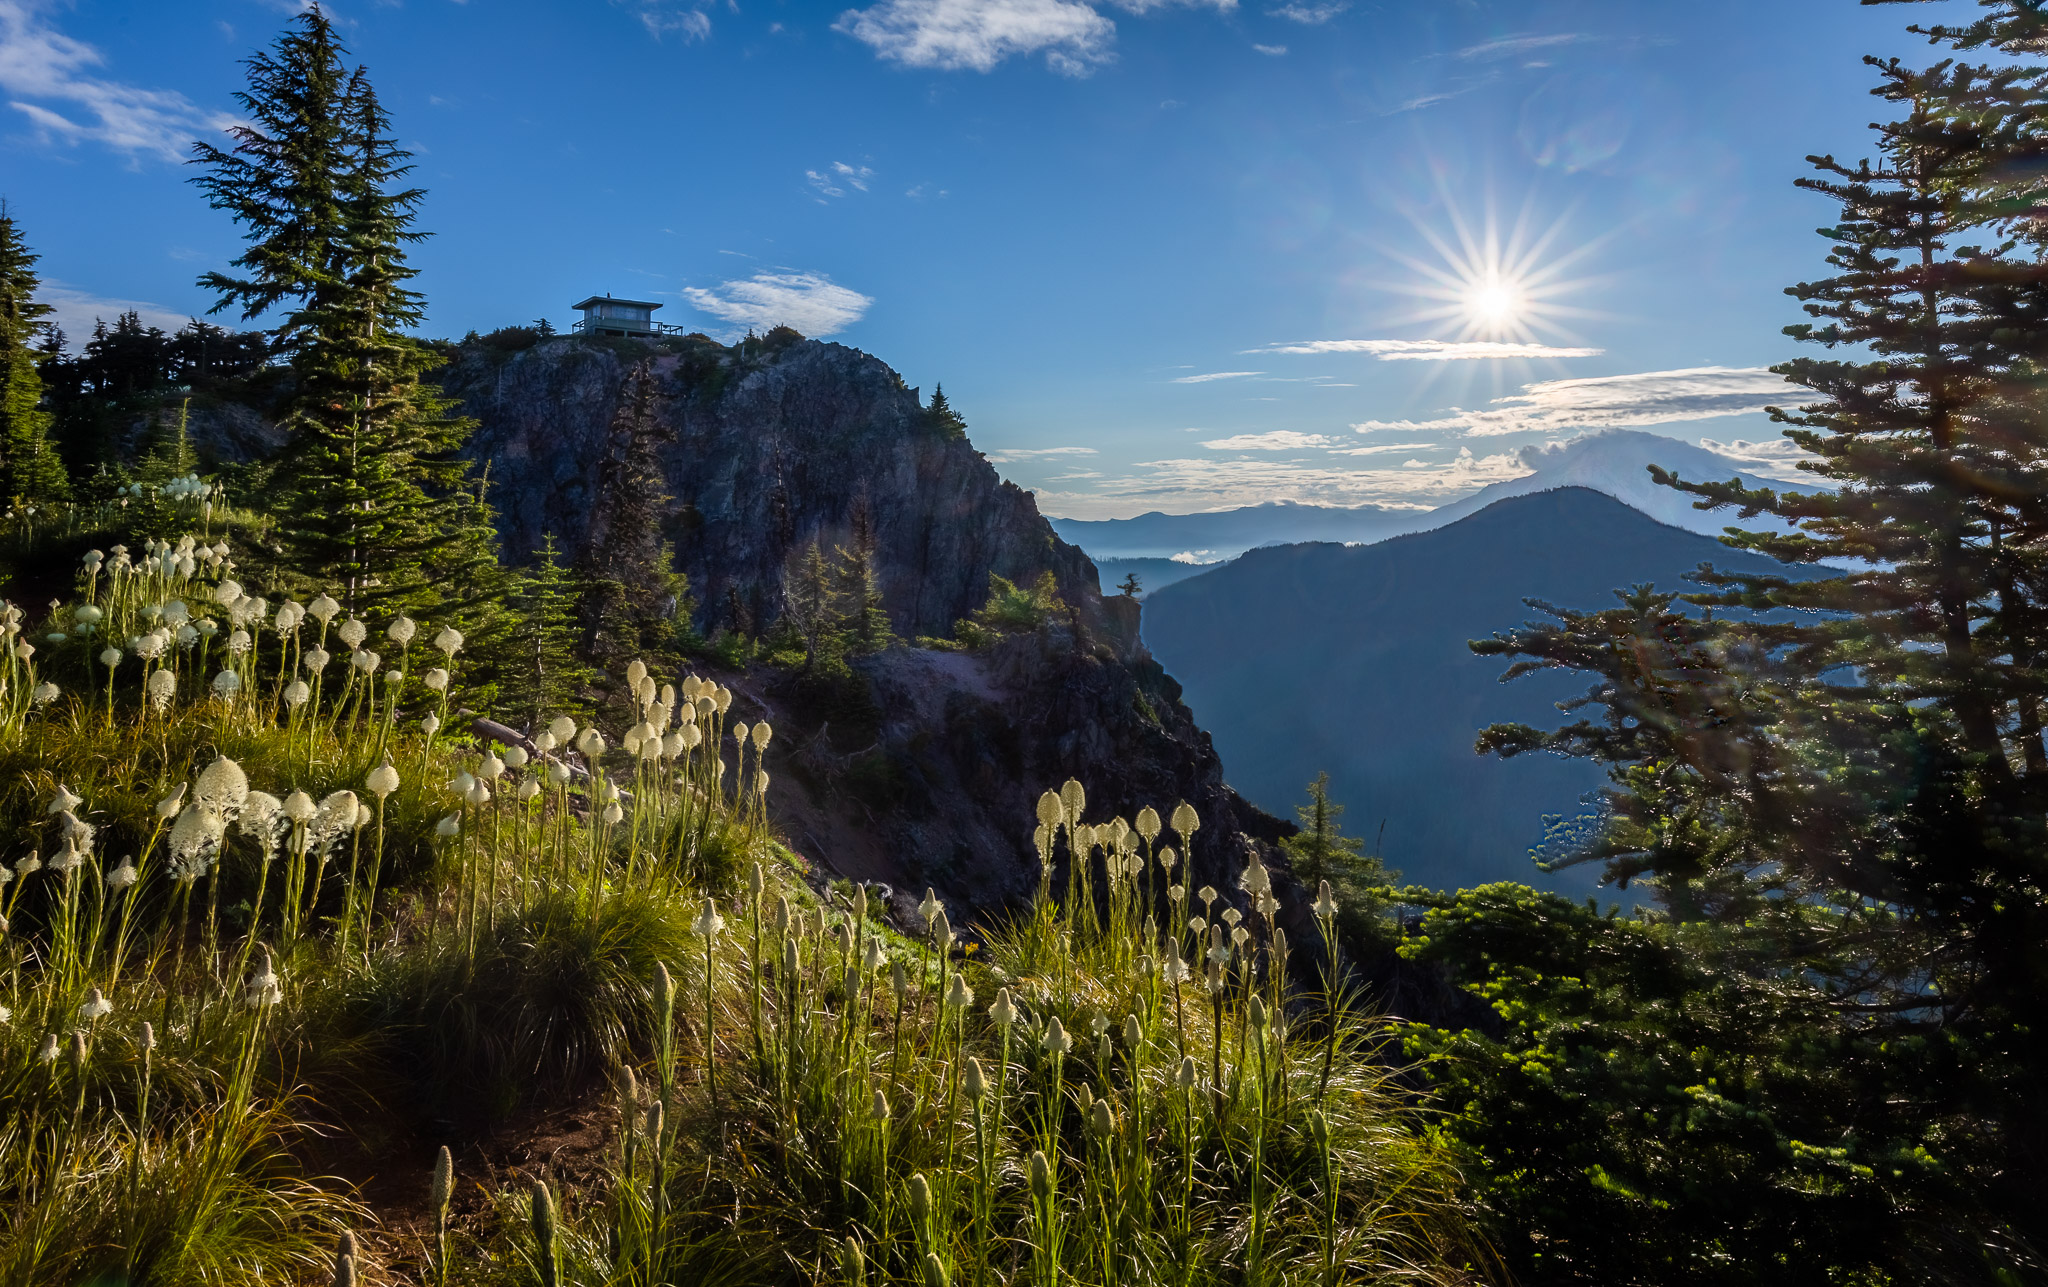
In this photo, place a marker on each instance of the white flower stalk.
(877, 1111)
(1101, 1120)
(167, 808)
(64, 801)
(709, 922)
(123, 877)
(47, 1052)
(636, 670)
(222, 786)
(297, 694)
(1073, 801)
(1148, 823)
(1134, 1033)
(227, 684)
(382, 780)
(1174, 971)
(558, 774)
(1004, 1011)
(449, 827)
(739, 733)
(516, 757)
(110, 656)
(238, 643)
(562, 729)
(930, 907)
(613, 814)
(430, 725)
(96, 1006)
(1231, 916)
(490, 768)
(544, 741)
(528, 790)
(323, 610)
(353, 632)
(449, 641)
(1185, 822)
(401, 631)
(1325, 905)
(1184, 1077)
(761, 735)
(479, 795)
(1055, 1041)
(315, 660)
(366, 661)
(194, 838)
(45, 693)
(958, 995)
(436, 680)
(264, 989)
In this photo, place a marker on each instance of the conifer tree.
(1862, 774)
(375, 502)
(862, 618)
(941, 418)
(546, 677)
(30, 469)
(633, 596)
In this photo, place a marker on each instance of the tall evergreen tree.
(633, 595)
(1862, 772)
(30, 469)
(940, 417)
(374, 503)
(863, 618)
(546, 676)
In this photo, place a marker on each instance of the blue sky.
(1163, 255)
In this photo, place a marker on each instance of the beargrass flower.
(227, 683)
(709, 922)
(1231, 916)
(1325, 905)
(613, 814)
(238, 643)
(430, 725)
(449, 641)
(958, 995)
(1134, 1032)
(96, 1006)
(110, 656)
(448, 827)
(123, 876)
(1185, 1077)
(516, 757)
(323, 609)
(222, 786)
(45, 693)
(48, 1051)
(401, 630)
(297, 693)
(879, 1110)
(383, 779)
(365, 660)
(591, 743)
(558, 773)
(263, 989)
(168, 806)
(63, 801)
(479, 795)
(1004, 1011)
(490, 768)
(315, 660)
(1041, 1175)
(976, 1082)
(436, 680)
(1055, 1041)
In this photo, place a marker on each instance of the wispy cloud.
(810, 302)
(1272, 51)
(664, 18)
(828, 180)
(975, 35)
(1777, 458)
(1611, 402)
(1184, 486)
(1310, 15)
(1516, 46)
(1432, 350)
(1207, 376)
(1011, 455)
(1272, 440)
(76, 310)
(1385, 449)
(46, 75)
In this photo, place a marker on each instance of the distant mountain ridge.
(1353, 660)
(1615, 462)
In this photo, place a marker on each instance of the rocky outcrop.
(764, 450)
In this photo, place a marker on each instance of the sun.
(1494, 305)
(1490, 282)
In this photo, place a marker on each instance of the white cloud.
(1183, 486)
(1645, 398)
(1777, 459)
(1431, 350)
(1272, 51)
(1192, 557)
(809, 302)
(1214, 375)
(828, 180)
(76, 311)
(1011, 455)
(38, 62)
(1310, 15)
(1273, 440)
(1515, 46)
(1610, 402)
(687, 20)
(977, 34)
(1386, 449)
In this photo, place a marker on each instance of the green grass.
(500, 934)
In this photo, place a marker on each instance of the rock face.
(765, 450)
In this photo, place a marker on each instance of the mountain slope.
(1224, 533)
(1353, 660)
(1616, 463)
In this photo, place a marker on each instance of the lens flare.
(1494, 283)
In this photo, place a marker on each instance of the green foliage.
(1011, 610)
(634, 602)
(30, 470)
(545, 674)
(1655, 1101)
(941, 419)
(1320, 851)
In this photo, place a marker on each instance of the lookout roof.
(595, 300)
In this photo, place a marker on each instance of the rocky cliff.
(765, 448)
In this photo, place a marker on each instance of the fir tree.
(547, 677)
(30, 469)
(940, 417)
(1130, 586)
(634, 596)
(863, 620)
(375, 500)
(810, 606)
(1861, 781)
